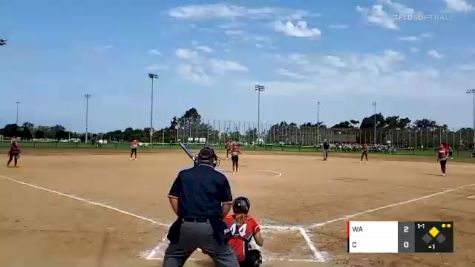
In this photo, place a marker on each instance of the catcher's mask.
(208, 156)
(241, 205)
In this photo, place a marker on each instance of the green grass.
(466, 154)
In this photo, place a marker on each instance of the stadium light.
(87, 96)
(374, 105)
(17, 105)
(152, 76)
(472, 91)
(259, 89)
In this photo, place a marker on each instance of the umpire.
(200, 197)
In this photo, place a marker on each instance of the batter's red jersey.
(241, 234)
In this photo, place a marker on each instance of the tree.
(9, 130)
(394, 122)
(368, 122)
(354, 123)
(425, 124)
(39, 134)
(25, 133)
(343, 124)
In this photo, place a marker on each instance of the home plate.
(280, 245)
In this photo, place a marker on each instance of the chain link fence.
(217, 132)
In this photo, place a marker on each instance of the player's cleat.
(443, 174)
(131, 158)
(135, 159)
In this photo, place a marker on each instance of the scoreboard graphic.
(400, 237)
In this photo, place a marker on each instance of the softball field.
(66, 208)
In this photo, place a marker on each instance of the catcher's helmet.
(241, 205)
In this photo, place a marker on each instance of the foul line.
(94, 203)
(276, 172)
(389, 206)
(316, 255)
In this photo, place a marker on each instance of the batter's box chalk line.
(158, 252)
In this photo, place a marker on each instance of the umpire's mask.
(207, 156)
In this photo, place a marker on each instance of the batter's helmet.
(241, 205)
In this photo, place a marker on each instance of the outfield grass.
(466, 154)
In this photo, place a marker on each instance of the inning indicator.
(397, 237)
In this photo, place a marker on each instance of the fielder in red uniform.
(133, 149)
(364, 153)
(13, 153)
(442, 157)
(242, 228)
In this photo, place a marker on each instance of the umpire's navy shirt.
(201, 190)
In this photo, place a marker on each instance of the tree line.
(191, 121)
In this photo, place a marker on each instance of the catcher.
(13, 153)
(241, 229)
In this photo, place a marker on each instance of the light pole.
(259, 89)
(318, 122)
(472, 91)
(87, 96)
(152, 76)
(374, 105)
(17, 104)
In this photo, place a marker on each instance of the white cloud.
(435, 54)
(300, 29)
(155, 67)
(335, 61)
(223, 66)
(186, 54)
(415, 38)
(381, 74)
(398, 8)
(414, 49)
(288, 73)
(378, 16)
(458, 5)
(195, 73)
(313, 65)
(385, 13)
(338, 26)
(154, 52)
(198, 65)
(204, 48)
(224, 10)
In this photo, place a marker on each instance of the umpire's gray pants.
(195, 235)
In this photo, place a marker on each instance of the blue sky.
(415, 58)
